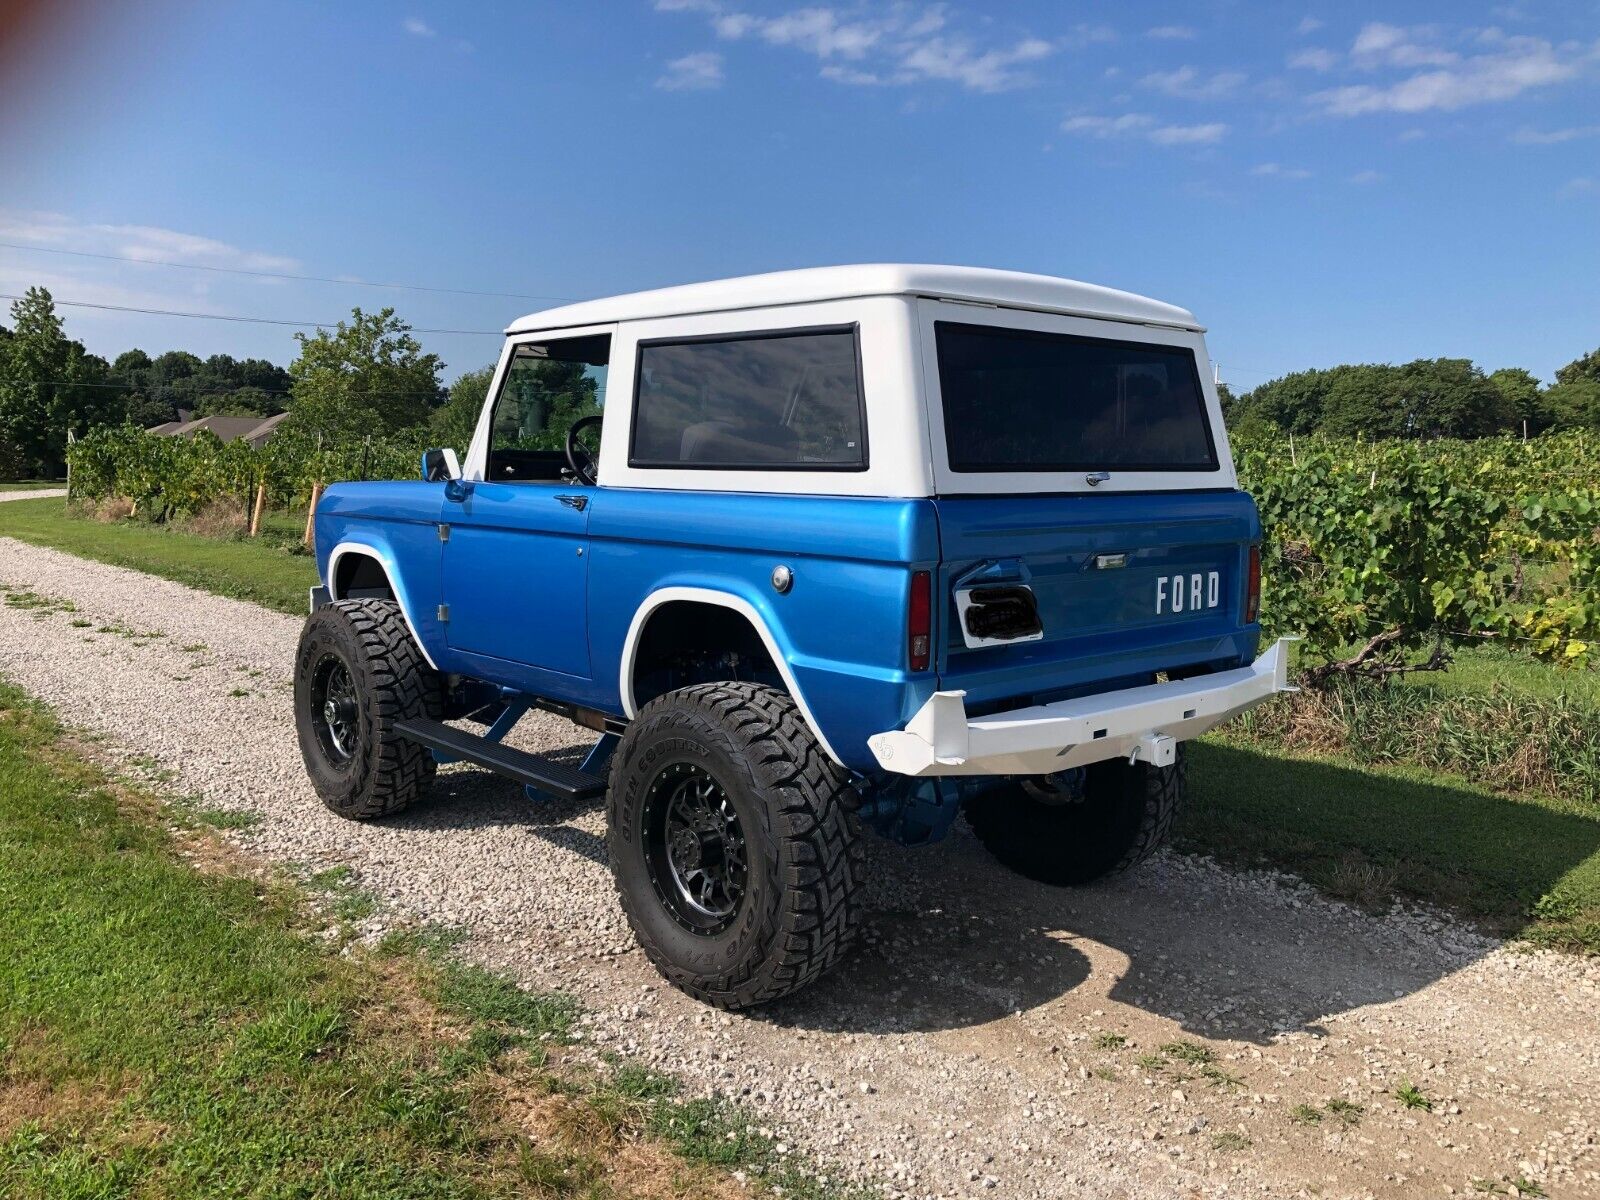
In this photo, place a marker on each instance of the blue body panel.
(543, 591)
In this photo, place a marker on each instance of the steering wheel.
(580, 458)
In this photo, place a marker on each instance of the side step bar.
(569, 783)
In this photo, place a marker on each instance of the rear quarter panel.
(841, 627)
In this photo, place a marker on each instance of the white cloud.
(1554, 137)
(1142, 125)
(1278, 171)
(1575, 188)
(1315, 59)
(145, 243)
(900, 45)
(1308, 25)
(1364, 177)
(418, 27)
(1191, 84)
(1381, 44)
(692, 73)
(1516, 65)
(1178, 33)
(1189, 135)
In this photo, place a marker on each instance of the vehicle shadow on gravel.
(468, 798)
(953, 940)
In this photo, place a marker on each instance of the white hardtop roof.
(1006, 289)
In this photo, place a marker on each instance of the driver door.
(515, 548)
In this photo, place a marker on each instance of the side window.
(548, 386)
(787, 401)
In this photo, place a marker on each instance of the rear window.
(1023, 400)
(781, 401)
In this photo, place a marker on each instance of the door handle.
(578, 502)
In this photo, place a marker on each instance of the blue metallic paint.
(841, 628)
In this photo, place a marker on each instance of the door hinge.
(444, 612)
(444, 533)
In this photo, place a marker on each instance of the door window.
(548, 387)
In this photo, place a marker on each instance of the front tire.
(357, 673)
(735, 856)
(1120, 815)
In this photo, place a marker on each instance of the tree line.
(369, 375)
(1428, 398)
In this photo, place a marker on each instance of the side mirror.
(440, 466)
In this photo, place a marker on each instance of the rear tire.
(357, 673)
(1124, 815)
(734, 853)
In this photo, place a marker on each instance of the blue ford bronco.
(810, 553)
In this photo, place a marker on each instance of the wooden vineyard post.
(255, 511)
(316, 494)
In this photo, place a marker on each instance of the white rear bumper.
(1142, 723)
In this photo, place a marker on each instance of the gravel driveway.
(970, 1047)
(30, 493)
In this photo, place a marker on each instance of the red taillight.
(919, 620)
(1252, 594)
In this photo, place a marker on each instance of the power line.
(167, 312)
(178, 387)
(153, 262)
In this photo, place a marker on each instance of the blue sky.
(1319, 182)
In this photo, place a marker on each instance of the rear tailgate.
(1126, 584)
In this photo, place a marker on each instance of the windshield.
(1025, 400)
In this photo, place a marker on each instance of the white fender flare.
(738, 604)
(381, 557)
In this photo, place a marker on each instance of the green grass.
(171, 1033)
(1478, 669)
(30, 485)
(1525, 865)
(271, 570)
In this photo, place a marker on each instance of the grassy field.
(30, 485)
(172, 1026)
(1527, 862)
(272, 570)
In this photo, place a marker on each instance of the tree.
(1574, 403)
(453, 422)
(1443, 397)
(1520, 394)
(1587, 367)
(48, 384)
(367, 376)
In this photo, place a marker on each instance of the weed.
(1305, 1114)
(1528, 1187)
(1230, 1140)
(239, 691)
(1188, 1052)
(1345, 1111)
(1105, 1073)
(1487, 1186)
(1410, 1096)
(80, 623)
(1151, 1062)
(1110, 1041)
(227, 818)
(1217, 1077)
(196, 648)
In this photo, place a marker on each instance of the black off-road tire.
(1124, 815)
(801, 843)
(392, 682)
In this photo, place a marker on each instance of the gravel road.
(970, 1046)
(30, 493)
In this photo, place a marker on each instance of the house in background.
(255, 430)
